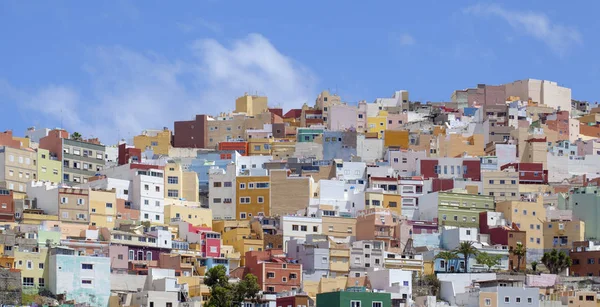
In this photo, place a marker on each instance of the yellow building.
(560, 235)
(338, 227)
(6, 261)
(37, 217)
(529, 216)
(381, 199)
(378, 124)
(25, 142)
(103, 208)
(251, 104)
(253, 196)
(34, 268)
(159, 141)
(259, 147)
(455, 145)
(339, 259)
(242, 240)
(191, 212)
(49, 168)
(180, 184)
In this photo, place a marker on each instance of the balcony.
(384, 234)
(339, 253)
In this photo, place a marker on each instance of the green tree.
(488, 260)
(467, 250)
(446, 256)
(76, 136)
(520, 252)
(534, 265)
(556, 261)
(226, 294)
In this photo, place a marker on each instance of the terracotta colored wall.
(191, 133)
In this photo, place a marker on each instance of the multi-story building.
(17, 168)
(222, 192)
(251, 104)
(7, 206)
(159, 141)
(274, 272)
(585, 256)
(356, 298)
(503, 184)
(543, 92)
(81, 159)
(34, 266)
(298, 227)
(289, 194)
(509, 295)
(253, 195)
(383, 225)
(500, 232)
(528, 216)
(103, 208)
(181, 184)
(585, 203)
(49, 168)
(465, 168)
(456, 208)
(378, 198)
(191, 212)
(74, 205)
(85, 279)
(364, 255)
(561, 234)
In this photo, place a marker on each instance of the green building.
(585, 203)
(49, 168)
(354, 298)
(455, 208)
(308, 134)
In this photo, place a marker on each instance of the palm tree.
(534, 265)
(446, 256)
(556, 261)
(467, 250)
(76, 136)
(520, 252)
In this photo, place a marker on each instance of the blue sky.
(112, 68)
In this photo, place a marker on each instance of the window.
(146, 202)
(295, 227)
(243, 215)
(303, 228)
(131, 254)
(41, 265)
(41, 283)
(157, 217)
(28, 282)
(87, 266)
(172, 193)
(227, 184)
(324, 260)
(157, 203)
(29, 264)
(507, 299)
(517, 299)
(261, 199)
(354, 303)
(242, 185)
(488, 302)
(377, 304)
(315, 228)
(86, 282)
(244, 200)
(109, 205)
(146, 187)
(529, 300)
(270, 275)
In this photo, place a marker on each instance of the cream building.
(17, 168)
(180, 184)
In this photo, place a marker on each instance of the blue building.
(84, 279)
(213, 262)
(339, 145)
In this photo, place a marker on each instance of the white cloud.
(132, 91)
(557, 37)
(406, 39)
(199, 23)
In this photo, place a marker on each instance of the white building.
(221, 192)
(161, 289)
(297, 227)
(45, 194)
(394, 281)
(544, 92)
(35, 135)
(369, 149)
(245, 165)
(122, 187)
(342, 197)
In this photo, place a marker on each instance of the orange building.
(396, 139)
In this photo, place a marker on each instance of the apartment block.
(103, 208)
(289, 193)
(222, 193)
(528, 216)
(74, 205)
(181, 184)
(561, 234)
(159, 141)
(503, 184)
(585, 256)
(251, 104)
(456, 208)
(253, 196)
(274, 272)
(17, 168)
(81, 159)
(7, 206)
(49, 168)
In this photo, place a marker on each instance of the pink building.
(361, 118)
(396, 121)
(209, 240)
(342, 117)
(406, 162)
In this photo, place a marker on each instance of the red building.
(299, 299)
(191, 133)
(586, 259)
(7, 206)
(466, 168)
(129, 154)
(6, 139)
(529, 172)
(53, 142)
(274, 271)
(240, 147)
